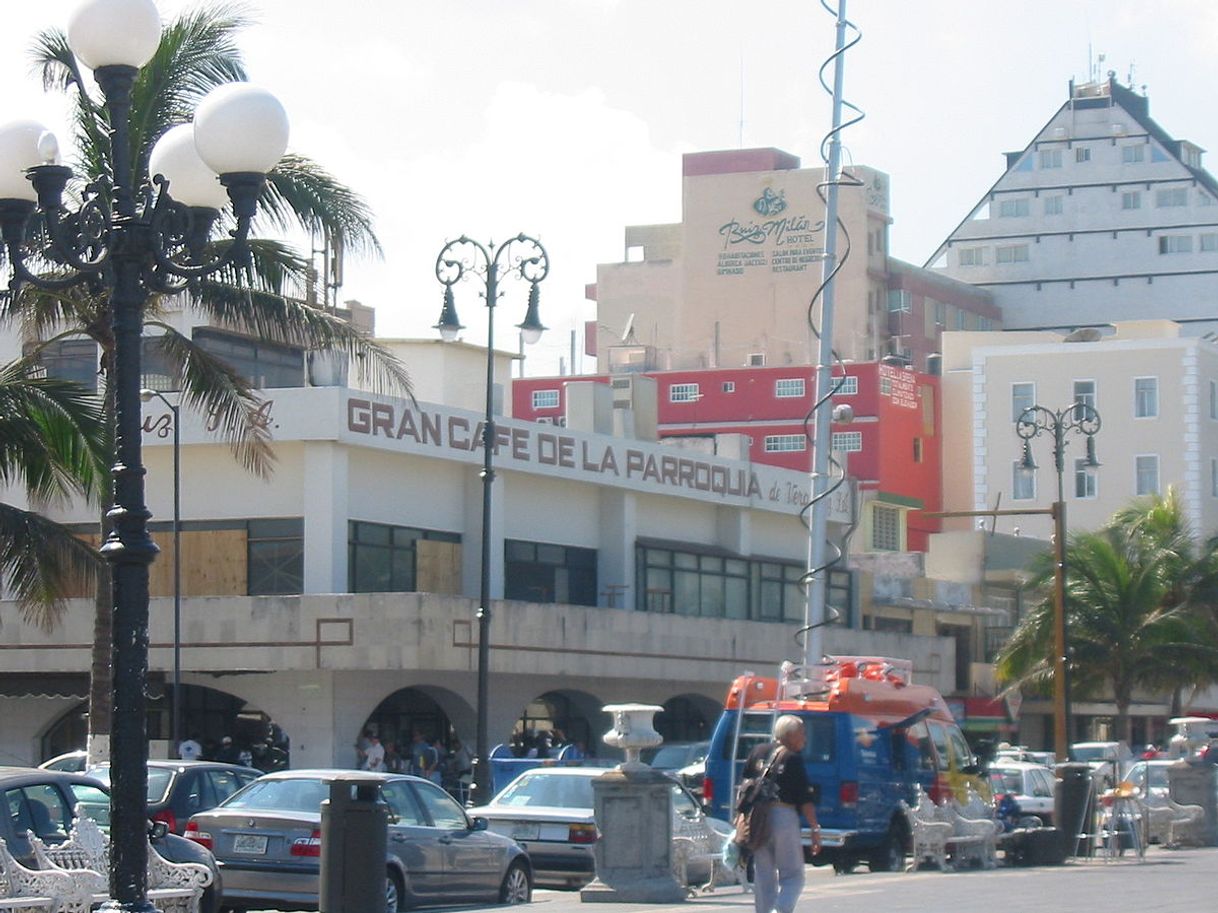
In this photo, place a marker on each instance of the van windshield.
(755, 729)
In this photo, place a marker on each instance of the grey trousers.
(778, 865)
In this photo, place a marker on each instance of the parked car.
(267, 840)
(43, 801)
(1149, 778)
(72, 761)
(684, 760)
(1030, 785)
(1020, 753)
(549, 810)
(1109, 760)
(178, 789)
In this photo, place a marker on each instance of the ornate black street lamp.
(175, 723)
(1080, 418)
(132, 242)
(461, 259)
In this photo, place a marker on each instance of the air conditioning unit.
(623, 391)
(545, 420)
(756, 360)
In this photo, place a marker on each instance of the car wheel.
(889, 856)
(394, 893)
(517, 886)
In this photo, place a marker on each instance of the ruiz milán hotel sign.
(772, 239)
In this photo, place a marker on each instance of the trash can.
(354, 829)
(1074, 808)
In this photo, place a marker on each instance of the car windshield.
(536, 789)
(1093, 753)
(670, 757)
(290, 795)
(1157, 777)
(159, 779)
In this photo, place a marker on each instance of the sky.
(567, 119)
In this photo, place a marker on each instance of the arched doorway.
(413, 710)
(208, 715)
(687, 718)
(558, 718)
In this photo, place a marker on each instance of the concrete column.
(325, 517)
(303, 705)
(734, 529)
(471, 535)
(615, 551)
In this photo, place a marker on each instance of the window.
(1084, 480)
(1009, 209)
(1208, 242)
(1050, 158)
(917, 450)
(1023, 396)
(941, 313)
(539, 572)
(1214, 399)
(1012, 253)
(847, 441)
(984, 323)
(263, 364)
(545, 399)
(900, 301)
(1175, 244)
(1023, 483)
(961, 320)
(1214, 478)
(683, 393)
(1146, 471)
(1084, 392)
(275, 555)
(846, 385)
(383, 558)
(1053, 205)
(785, 443)
(1145, 397)
(71, 359)
(1131, 155)
(885, 528)
(686, 583)
(729, 386)
(1171, 196)
(1082, 153)
(1131, 199)
(972, 256)
(786, 387)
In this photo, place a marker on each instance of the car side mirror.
(479, 824)
(971, 769)
(157, 829)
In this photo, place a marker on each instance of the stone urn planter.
(632, 731)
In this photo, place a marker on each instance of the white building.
(1102, 217)
(337, 594)
(1156, 391)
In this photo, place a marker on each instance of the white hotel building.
(338, 593)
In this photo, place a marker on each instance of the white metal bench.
(928, 834)
(974, 831)
(26, 890)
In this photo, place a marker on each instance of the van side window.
(964, 754)
(821, 744)
(920, 736)
(938, 735)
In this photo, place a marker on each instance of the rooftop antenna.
(1129, 78)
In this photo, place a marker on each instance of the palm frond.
(300, 193)
(43, 563)
(213, 388)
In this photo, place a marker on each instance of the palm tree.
(198, 52)
(53, 443)
(1130, 618)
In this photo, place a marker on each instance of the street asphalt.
(1181, 881)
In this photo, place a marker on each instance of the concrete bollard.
(354, 831)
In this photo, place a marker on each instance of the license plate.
(250, 844)
(524, 831)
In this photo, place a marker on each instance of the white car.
(1109, 760)
(1149, 778)
(1030, 785)
(548, 811)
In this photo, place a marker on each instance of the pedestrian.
(189, 748)
(778, 864)
(393, 759)
(438, 755)
(228, 751)
(422, 756)
(374, 754)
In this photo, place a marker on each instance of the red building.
(891, 448)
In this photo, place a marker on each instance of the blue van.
(873, 738)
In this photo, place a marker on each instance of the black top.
(788, 772)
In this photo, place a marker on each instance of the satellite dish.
(1083, 334)
(628, 332)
